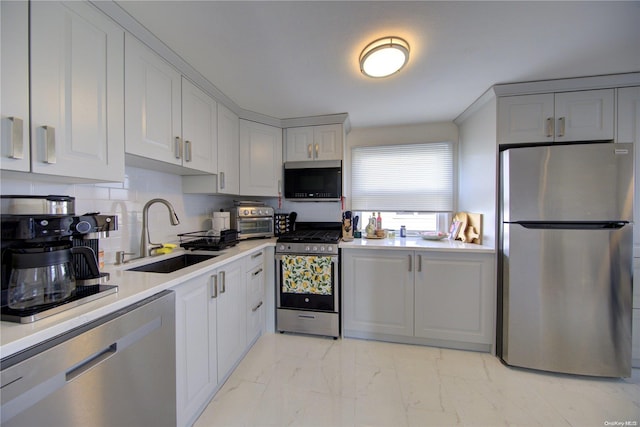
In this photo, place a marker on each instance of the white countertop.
(133, 286)
(417, 243)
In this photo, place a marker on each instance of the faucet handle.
(120, 257)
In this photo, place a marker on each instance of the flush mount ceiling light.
(384, 57)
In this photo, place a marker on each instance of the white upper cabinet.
(228, 151)
(311, 143)
(260, 159)
(153, 97)
(560, 117)
(14, 102)
(76, 69)
(199, 129)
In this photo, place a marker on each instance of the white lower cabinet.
(196, 354)
(231, 316)
(454, 297)
(255, 296)
(422, 297)
(210, 335)
(378, 292)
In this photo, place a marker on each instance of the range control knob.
(329, 248)
(281, 248)
(307, 248)
(315, 249)
(246, 212)
(322, 248)
(253, 211)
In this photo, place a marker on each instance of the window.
(410, 177)
(411, 184)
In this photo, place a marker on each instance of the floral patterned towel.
(306, 275)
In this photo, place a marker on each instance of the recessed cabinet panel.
(228, 151)
(199, 129)
(311, 143)
(525, 118)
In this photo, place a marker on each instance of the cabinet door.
(196, 359)
(378, 292)
(76, 92)
(153, 103)
(231, 316)
(299, 146)
(199, 129)
(454, 297)
(228, 151)
(14, 152)
(584, 115)
(328, 142)
(525, 118)
(255, 303)
(260, 159)
(629, 131)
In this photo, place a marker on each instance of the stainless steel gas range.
(308, 279)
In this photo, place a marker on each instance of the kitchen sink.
(172, 264)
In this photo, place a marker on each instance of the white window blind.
(411, 177)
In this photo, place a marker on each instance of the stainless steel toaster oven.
(252, 221)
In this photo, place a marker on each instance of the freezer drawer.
(566, 299)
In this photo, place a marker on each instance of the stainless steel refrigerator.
(565, 265)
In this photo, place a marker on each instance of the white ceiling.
(300, 58)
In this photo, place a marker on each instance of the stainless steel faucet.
(146, 247)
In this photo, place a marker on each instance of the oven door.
(255, 227)
(307, 282)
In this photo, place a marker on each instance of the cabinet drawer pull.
(257, 272)
(256, 255)
(221, 174)
(561, 123)
(16, 133)
(49, 144)
(254, 309)
(317, 150)
(187, 151)
(177, 147)
(309, 154)
(214, 286)
(410, 259)
(419, 263)
(549, 127)
(223, 282)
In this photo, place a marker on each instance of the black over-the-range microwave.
(319, 180)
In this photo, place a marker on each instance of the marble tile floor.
(294, 380)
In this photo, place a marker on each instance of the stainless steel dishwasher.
(118, 370)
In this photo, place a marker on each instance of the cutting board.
(471, 229)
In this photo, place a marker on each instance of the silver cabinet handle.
(279, 186)
(419, 263)
(187, 151)
(177, 147)
(16, 133)
(49, 144)
(317, 149)
(91, 361)
(214, 286)
(309, 154)
(223, 282)
(254, 309)
(221, 180)
(410, 259)
(561, 123)
(257, 272)
(549, 127)
(256, 255)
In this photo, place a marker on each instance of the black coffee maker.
(41, 267)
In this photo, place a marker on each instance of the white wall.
(127, 200)
(478, 167)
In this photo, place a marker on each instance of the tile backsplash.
(126, 200)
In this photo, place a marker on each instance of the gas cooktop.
(313, 232)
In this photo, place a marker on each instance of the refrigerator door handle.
(605, 225)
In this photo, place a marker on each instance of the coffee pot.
(42, 278)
